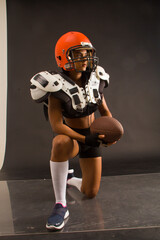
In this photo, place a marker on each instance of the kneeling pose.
(72, 97)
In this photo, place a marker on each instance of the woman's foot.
(56, 219)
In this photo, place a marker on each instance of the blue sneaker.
(56, 220)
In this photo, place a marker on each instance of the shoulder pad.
(38, 94)
(100, 72)
(47, 82)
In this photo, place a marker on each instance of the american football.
(108, 126)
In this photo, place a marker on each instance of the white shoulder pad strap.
(47, 82)
(101, 74)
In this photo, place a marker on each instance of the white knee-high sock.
(76, 182)
(59, 172)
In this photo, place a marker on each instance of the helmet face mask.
(75, 56)
(69, 54)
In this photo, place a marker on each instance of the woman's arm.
(56, 120)
(103, 108)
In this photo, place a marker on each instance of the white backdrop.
(3, 79)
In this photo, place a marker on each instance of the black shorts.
(84, 150)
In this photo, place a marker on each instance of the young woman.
(73, 96)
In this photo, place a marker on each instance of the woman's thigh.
(91, 175)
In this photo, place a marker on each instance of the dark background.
(126, 35)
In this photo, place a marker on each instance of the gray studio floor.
(126, 205)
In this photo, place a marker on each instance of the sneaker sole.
(52, 227)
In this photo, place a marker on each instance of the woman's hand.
(94, 140)
(104, 144)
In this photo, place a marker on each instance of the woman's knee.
(91, 193)
(61, 141)
(62, 145)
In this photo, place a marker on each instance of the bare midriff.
(80, 123)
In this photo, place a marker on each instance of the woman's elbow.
(57, 128)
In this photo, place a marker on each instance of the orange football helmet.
(65, 47)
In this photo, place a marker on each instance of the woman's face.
(81, 65)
